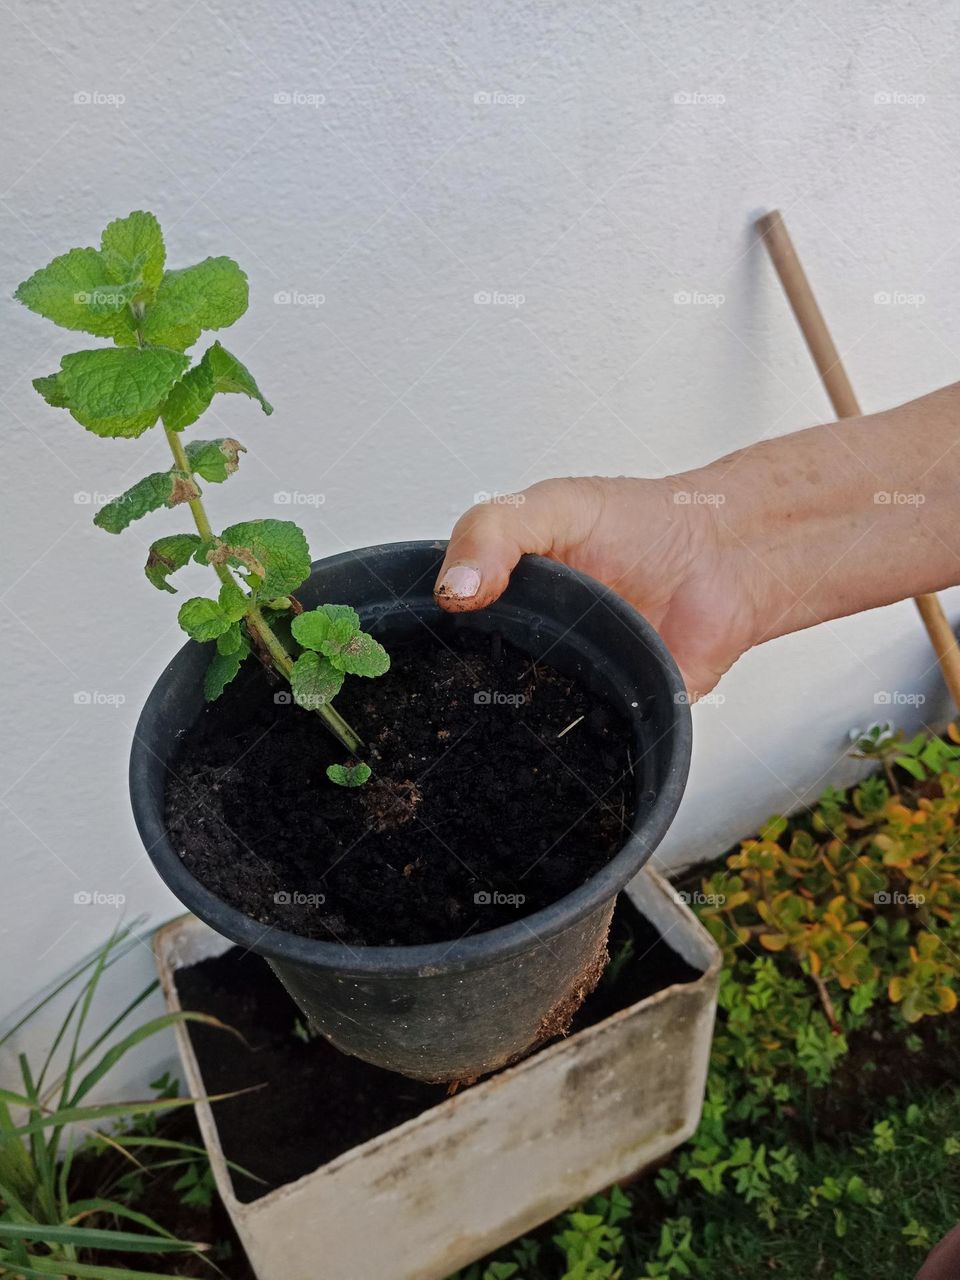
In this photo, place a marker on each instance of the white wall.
(399, 198)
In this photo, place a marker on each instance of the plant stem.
(255, 619)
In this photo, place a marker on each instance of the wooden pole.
(796, 286)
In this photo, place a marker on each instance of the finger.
(489, 539)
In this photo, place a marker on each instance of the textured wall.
(598, 161)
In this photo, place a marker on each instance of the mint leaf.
(217, 370)
(203, 619)
(210, 295)
(51, 388)
(161, 489)
(132, 249)
(362, 656)
(314, 681)
(222, 669)
(334, 631)
(169, 554)
(62, 291)
(110, 383)
(231, 640)
(349, 775)
(278, 546)
(214, 460)
(233, 601)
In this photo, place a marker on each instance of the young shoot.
(124, 291)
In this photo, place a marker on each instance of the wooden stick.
(796, 286)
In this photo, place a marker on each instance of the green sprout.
(124, 291)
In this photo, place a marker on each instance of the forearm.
(842, 517)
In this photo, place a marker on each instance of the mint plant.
(124, 291)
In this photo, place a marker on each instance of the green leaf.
(203, 619)
(334, 631)
(62, 292)
(233, 601)
(169, 554)
(223, 667)
(214, 460)
(327, 628)
(362, 656)
(216, 371)
(231, 640)
(109, 383)
(132, 249)
(210, 295)
(278, 546)
(349, 775)
(314, 681)
(160, 489)
(51, 388)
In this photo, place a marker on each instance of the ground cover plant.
(830, 1139)
(124, 291)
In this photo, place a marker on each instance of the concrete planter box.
(432, 1195)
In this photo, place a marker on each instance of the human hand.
(666, 556)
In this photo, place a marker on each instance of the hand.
(666, 557)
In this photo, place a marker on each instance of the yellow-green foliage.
(856, 901)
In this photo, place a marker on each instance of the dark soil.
(479, 812)
(348, 1101)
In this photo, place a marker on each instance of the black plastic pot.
(447, 1011)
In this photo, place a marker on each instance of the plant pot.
(494, 1161)
(458, 1009)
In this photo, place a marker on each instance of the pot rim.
(482, 949)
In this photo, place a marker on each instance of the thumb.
(489, 539)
